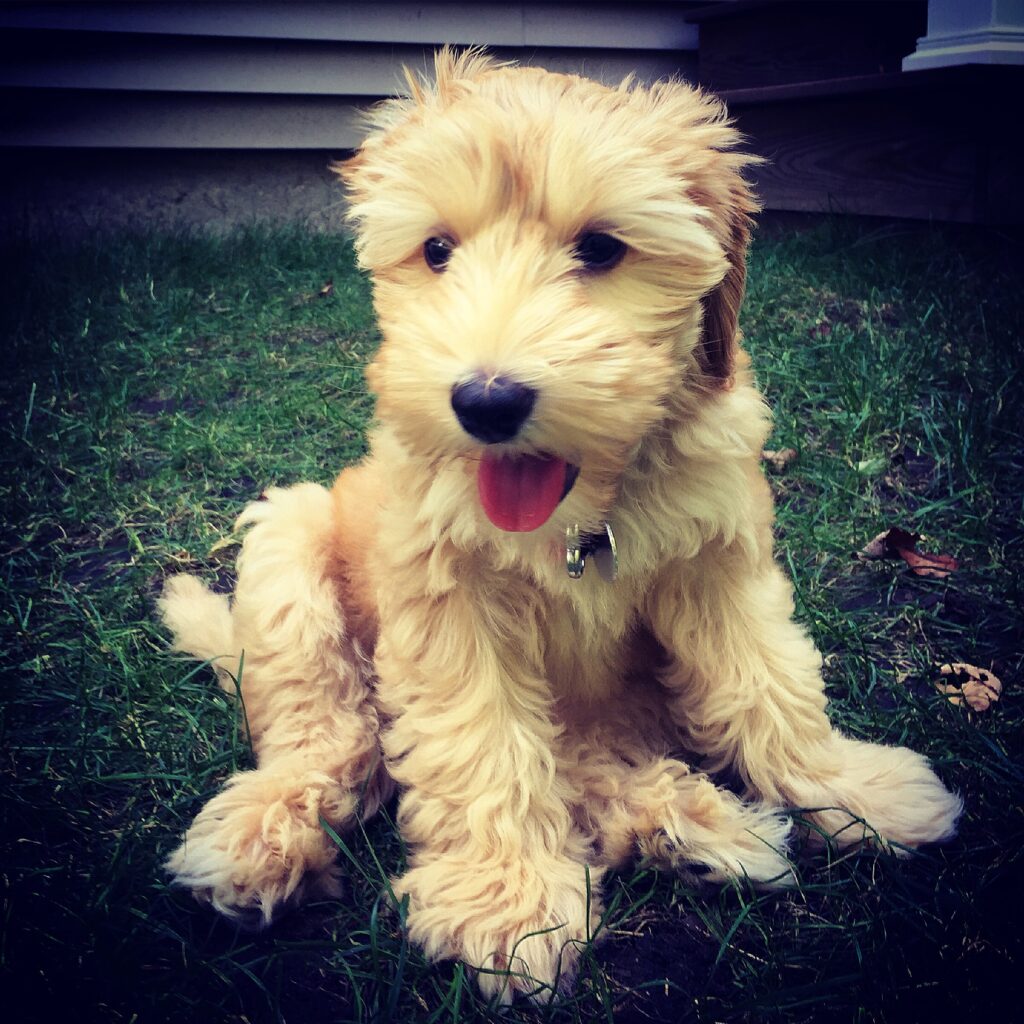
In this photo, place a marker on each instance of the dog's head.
(557, 270)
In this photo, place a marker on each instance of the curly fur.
(386, 633)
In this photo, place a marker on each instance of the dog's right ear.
(720, 337)
(702, 143)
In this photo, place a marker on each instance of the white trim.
(974, 53)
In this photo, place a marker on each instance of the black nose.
(492, 409)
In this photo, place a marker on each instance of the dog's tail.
(201, 623)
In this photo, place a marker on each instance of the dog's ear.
(719, 342)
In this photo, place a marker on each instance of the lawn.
(155, 384)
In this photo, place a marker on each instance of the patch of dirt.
(242, 488)
(835, 310)
(98, 562)
(854, 595)
(662, 965)
(909, 475)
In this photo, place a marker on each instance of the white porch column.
(970, 32)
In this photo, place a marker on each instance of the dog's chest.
(591, 652)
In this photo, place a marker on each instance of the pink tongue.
(519, 492)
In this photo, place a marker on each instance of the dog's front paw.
(711, 833)
(886, 795)
(521, 925)
(256, 847)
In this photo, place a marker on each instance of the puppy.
(554, 571)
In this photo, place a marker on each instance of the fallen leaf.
(328, 289)
(888, 544)
(977, 686)
(897, 543)
(778, 461)
(936, 566)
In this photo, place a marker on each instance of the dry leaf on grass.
(897, 543)
(778, 461)
(888, 544)
(938, 566)
(328, 289)
(977, 686)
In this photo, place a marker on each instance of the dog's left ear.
(720, 337)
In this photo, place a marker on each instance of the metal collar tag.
(600, 547)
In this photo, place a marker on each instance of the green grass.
(155, 384)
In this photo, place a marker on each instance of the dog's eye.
(437, 252)
(598, 251)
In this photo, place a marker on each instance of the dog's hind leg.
(304, 685)
(747, 690)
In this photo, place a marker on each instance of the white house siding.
(213, 114)
(290, 76)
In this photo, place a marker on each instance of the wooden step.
(942, 144)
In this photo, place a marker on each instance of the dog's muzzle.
(492, 409)
(518, 491)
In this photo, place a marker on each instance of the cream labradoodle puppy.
(554, 571)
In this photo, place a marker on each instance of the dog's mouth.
(519, 493)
